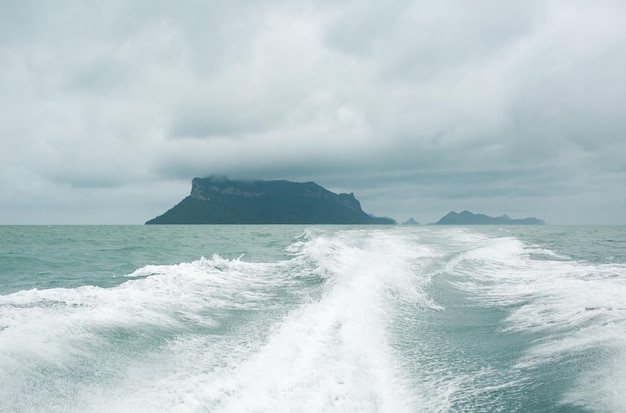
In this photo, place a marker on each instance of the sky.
(110, 108)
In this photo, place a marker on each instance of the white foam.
(309, 345)
(314, 333)
(574, 307)
(601, 390)
(60, 329)
(332, 355)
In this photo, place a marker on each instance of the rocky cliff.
(219, 200)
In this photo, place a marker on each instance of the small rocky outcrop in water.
(410, 221)
(468, 218)
(219, 200)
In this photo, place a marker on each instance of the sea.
(306, 318)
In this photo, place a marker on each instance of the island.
(410, 221)
(219, 200)
(469, 218)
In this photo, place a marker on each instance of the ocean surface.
(312, 319)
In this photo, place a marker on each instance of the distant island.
(410, 221)
(468, 218)
(219, 200)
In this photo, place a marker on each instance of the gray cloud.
(416, 107)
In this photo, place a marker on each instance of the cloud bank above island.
(109, 109)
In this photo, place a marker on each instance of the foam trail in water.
(332, 354)
(61, 347)
(307, 334)
(575, 308)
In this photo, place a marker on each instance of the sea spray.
(329, 318)
(575, 312)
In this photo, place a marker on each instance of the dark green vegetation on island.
(468, 218)
(219, 200)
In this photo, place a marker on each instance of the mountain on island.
(219, 200)
(410, 221)
(468, 218)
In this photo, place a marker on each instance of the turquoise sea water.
(312, 319)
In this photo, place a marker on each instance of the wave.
(378, 320)
(574, 311)
(220, 335)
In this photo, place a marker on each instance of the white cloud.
(410, 103)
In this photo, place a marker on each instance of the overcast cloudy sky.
(110, 108)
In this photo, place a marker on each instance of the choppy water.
(312, 319)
